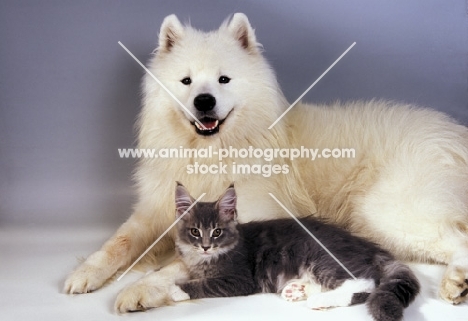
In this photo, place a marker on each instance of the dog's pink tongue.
(209, 124)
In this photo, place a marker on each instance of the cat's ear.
(183, 200)
(227, 204)
(171, 32)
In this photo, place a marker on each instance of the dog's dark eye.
(224, 79)
(216, 232)
(186, 81)
(195, 232)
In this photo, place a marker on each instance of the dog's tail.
(397, 289)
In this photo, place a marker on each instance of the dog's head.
(212, 75)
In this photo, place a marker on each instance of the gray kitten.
(225, 258)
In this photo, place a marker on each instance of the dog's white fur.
(407, 187)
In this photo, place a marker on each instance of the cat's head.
(207, 229)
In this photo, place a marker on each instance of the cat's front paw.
(141, 297)
(454, 288)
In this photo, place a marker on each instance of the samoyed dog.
(405, 188)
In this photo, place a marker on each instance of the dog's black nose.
(204, 102)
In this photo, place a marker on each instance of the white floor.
(35, 262)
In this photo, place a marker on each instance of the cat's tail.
(397, 289)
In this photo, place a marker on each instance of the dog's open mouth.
(211, 126)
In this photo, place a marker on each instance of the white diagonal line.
(313, 236)
(162, 85)
(162, 235)
(310, 87)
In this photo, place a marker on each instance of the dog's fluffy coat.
(407, 187)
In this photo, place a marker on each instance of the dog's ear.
(227, 204)
(242, 31)
(171, 31)
(183, 200)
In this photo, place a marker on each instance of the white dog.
(406, 186)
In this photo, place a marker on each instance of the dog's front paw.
(177, 294)
(141, 297)
(88, 277)
(454, 288)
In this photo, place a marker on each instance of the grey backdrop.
(69, 94)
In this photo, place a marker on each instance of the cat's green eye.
(216, 232)
(195, 232)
